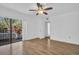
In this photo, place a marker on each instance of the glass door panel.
(10, 33)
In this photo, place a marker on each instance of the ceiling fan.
(41, 9)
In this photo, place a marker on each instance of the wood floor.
(46, 47)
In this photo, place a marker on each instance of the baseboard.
(57, 39)
(53, 38)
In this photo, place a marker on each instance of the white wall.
(64, 27)
(31, 28)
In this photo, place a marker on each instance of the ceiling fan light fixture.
(40, 11)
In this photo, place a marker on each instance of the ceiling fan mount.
(41, 9)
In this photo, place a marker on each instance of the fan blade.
(45, 13)
(32, 10)
(49, 8)
(39, 5)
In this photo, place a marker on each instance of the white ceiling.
(58, 8)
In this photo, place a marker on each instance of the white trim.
(57, 39)
(54, 38)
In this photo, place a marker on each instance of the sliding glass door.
(10, 32)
